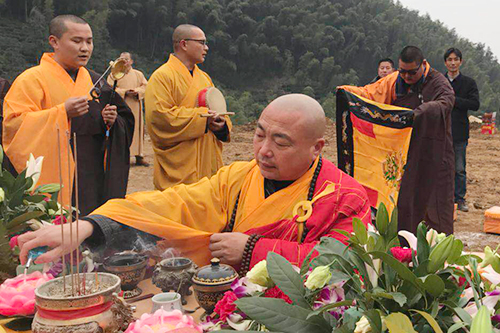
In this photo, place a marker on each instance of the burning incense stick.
(62, 203)
(70, 216)
(75, 150)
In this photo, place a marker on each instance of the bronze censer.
(175, 274)
(95, 309)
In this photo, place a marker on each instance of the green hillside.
(258, 48)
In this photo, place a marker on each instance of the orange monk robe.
(185, 150)
(187, 215)
(33, 110)
(133, 80)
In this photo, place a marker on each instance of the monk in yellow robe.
(187, 146)
(131, 88)
(49, 102)
(283, 201)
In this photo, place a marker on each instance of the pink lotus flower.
(17, 295)
(163, 321)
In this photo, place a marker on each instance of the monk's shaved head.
(289, 137)
(126, 54)
(183, 31)
(306, 110)
(58, 27)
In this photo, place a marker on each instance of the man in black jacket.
(466, 98)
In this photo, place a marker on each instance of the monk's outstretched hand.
(228, 247)
(51, 236)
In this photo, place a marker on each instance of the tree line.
(259, 49)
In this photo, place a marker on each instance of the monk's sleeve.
(328, 214)
(168, 123)
(28, 127)
(380, 91)
(440, 104)
(142, 88)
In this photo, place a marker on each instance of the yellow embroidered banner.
(372, 142)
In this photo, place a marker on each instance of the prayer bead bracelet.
(247, 253)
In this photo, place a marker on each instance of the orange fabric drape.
(187, 215)
(33, 110)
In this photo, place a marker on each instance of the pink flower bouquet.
(17, 295)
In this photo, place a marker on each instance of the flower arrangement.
(23, 205)
(370, 284)
(17, 295)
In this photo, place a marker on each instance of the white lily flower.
(237, 323)
(410, 238)
(489, 274)
(2, 194)
(34, 169)
(373, 274)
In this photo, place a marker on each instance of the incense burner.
(175, 274)
(211, 282)
(130, 268)
(97, 310)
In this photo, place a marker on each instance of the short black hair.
(57, 26)
(389, 60)
(451, 50)
(412, 54)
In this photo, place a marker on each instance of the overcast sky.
(477, 20)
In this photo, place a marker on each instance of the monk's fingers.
(50, 256)
(218, 254)
(24, 238)
(218, 237)
(27, 246)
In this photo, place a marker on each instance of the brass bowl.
(130, 267)
(211, 282)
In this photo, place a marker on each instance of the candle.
(163, 321)
(17, 295)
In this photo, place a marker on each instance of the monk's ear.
(53, 41)
(318, 147)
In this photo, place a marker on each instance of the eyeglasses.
(410, 71)
(201, 41)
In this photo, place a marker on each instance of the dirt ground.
(483, 183)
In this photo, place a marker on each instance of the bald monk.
(187, 147)
(427, 185)
(131, 88)
(283, 201)
(55, 95)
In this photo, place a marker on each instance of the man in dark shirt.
(466, 98)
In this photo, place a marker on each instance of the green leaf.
(359, 230)
(455, 327)
(463, 315)
(48, 188)
(400, 269)
(374, 319)
(382, 219)
(464, 260)
(277, 315)
(343, 232)
(456, 251)
(433, 284)
(23, 218)
(482, 321)
(423, 248)
(392, 231)
(328, 307)
(439, 254)
(399, 323)
(395, 296)
(306, 263)
(430, 320)
(351, 317)
(287, 279)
